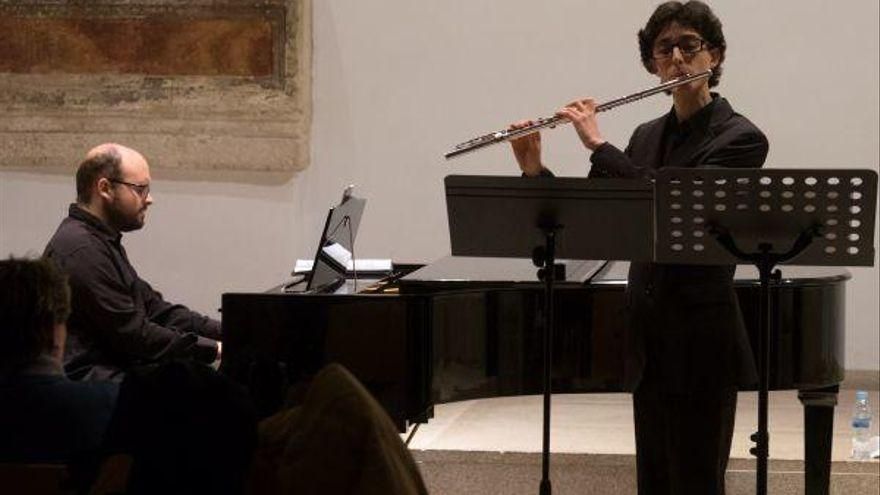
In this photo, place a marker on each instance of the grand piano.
(468, 328)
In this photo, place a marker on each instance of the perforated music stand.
(765, 218)
(545, 219)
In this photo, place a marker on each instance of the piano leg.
(818, 429)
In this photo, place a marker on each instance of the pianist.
(687, 351)
(117, 319)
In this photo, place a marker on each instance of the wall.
(397, 83)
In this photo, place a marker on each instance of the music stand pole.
(545, 257)
(762, 437)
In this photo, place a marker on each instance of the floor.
(602, 424)
(493, 446)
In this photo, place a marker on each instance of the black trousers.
(682, 439)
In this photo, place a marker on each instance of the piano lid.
(616, 273)
(457, 269)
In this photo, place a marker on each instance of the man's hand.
(527, 150)
(582, 115)
(216, 363)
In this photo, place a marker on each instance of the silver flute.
(544, 122)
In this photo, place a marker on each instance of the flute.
(544, 122)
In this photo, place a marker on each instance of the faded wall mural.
(195, 85)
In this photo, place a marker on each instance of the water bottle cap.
(861, 395)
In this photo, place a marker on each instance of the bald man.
(117, 319)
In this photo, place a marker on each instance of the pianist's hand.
(216, 363)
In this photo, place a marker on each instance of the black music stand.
(547, 219)
(765, 218)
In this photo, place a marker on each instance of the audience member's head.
(113, 183)
(187, 428)
(34, 305)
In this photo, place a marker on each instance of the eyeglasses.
(688, 45)
(142, 190)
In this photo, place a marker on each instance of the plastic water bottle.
(861, 427)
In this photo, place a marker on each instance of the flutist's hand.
(582, 115)
(527, 150)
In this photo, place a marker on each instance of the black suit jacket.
(685, 326)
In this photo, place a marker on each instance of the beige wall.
(396, 83)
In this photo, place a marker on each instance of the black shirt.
(676, 133)
(117, 319)
(47, 418)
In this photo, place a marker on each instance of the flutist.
(687, 348)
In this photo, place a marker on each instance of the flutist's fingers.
(587, 105)
(582, 114)
(522, 123)
(527, 149)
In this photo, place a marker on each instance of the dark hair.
(694, 15)
(104, 164)
(34, 296)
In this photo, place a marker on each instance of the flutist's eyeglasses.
(688, 45)
(142, 190)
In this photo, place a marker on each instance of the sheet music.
(363, 265)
